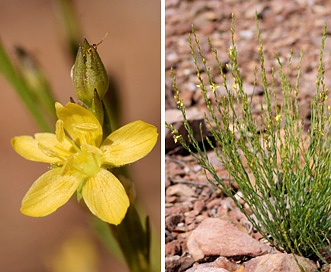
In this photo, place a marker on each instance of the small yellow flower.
(79, 160)
(214, 87)
(278, 117)
(177, 138)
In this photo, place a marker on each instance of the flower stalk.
(84, 153)
(281, 170)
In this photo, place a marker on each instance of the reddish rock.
(177, 263)
(172, 222)
(223, 262)
(198, 206)
(280, 262)
(213, 203)
(182, 192)
(206, 267)
(172, 248)
(222, 238)
(172, 263)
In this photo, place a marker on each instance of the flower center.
(87, 161)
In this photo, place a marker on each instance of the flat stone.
(182, 192)
(206, 267)
(280, 262)
(219, 237)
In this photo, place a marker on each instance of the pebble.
(215, 202)
(206, 268)
(225, 263)
(198, 206)
(183, 192)
(172, 248)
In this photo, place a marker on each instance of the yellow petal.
(50, 145)
(49, 192)
(129, 143)
(43, 148)
(81, 125)
(105, 197)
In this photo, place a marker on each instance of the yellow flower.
(278, 117)
(79, 160)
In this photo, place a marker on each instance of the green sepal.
(97, 107)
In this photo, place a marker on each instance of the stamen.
(59, 131)
(84, 130)
(50, 152)
(85, 127)
(67, 165)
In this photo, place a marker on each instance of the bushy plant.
(282, 170)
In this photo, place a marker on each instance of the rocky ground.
(205, 231)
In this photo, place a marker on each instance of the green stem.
(134, 240)
(70, 24)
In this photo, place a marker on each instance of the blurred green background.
(132, 56)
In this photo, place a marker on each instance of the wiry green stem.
(283, 173)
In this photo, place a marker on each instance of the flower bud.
(89, 74)
(36, 81)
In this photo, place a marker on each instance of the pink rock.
(198, 206)
(280, 262)
(222, 262)
(183, 192)
(220, 237)
(206, 267)
(213, 203)
(172, 248)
